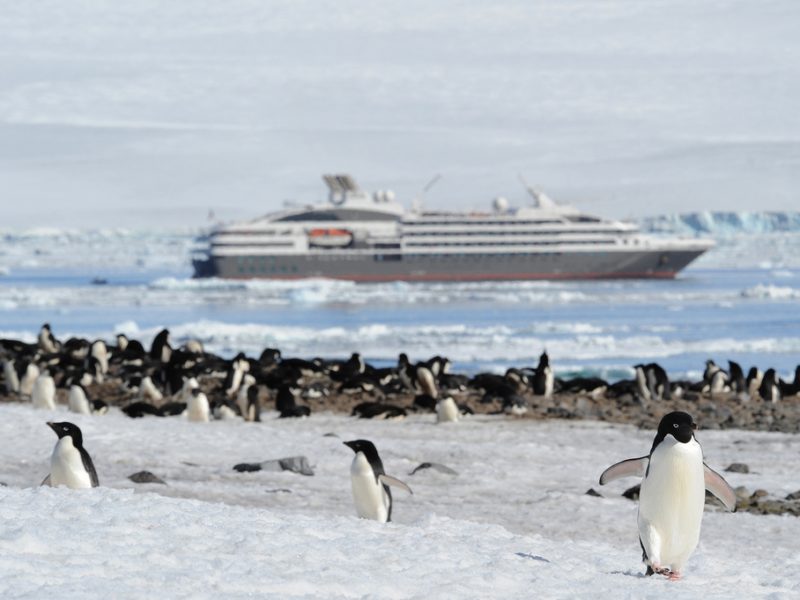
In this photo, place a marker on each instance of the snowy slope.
(513, 523)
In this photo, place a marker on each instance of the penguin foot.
(674, 576)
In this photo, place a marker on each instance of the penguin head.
(679, 425)
(365, 446)
(65, 429)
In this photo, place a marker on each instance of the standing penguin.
(543, 378)
(198, 409)
(446, 410)
(672, 494)
(70, 464)
(370, 483)
(78, 402)
(43, 393)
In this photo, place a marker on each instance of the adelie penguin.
(370, 483)
(70, 463)
(672, 494)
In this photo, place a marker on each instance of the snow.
(514, 521)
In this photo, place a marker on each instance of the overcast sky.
(152, 113)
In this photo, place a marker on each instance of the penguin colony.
(167, 381)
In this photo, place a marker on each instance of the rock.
(593, 492)
(435, 466)
(146, 477)
(632, 493)
(742, 493)
(295, 464)
(247, 467)
(794, 496)
(738, 468)
(759, 494)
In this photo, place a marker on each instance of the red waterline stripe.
(478, 277)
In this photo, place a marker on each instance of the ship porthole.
(664, 260)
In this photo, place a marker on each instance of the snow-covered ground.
(514, 522)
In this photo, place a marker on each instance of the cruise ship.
(366, 237)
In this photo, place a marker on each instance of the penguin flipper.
(46, 480)
(717, 485)
(389, 480)
(633, 467)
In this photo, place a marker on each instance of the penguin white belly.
(198, 409)
(43, 394)
(671, 502)
(446, 410)
(78, 403)
(371, 499)
(549, 382)
(66, 466)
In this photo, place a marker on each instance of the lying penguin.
(672, 494)
(370, 483)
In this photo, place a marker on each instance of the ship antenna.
(540, 200)
(416, 204)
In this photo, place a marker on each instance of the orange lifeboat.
(330, 238)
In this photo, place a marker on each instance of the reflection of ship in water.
(363, 237)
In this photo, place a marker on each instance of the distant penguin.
(242, 394)
(160, 349)
(122, 342)
(446, 410)
(47, 341)
(78, 402)
(641, 382)
(672, 494)
(736, 379)
(194, 347)
(769, 390)
(10, 377)
(149, 391)
(197, 409)
(252, 412)
(28, 379)
(426, 381)
(233, 380)
(286, 405)
(753, 381)
(370, 483)
(43, 394)
(543, 378)
(70, 463)
(99, 352)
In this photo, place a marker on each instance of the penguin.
(10, 376)
(238, 368)
(769, 390)
(736, 377)
(99, 351)
(753, 381)
(47, 341)
(28, 379)
(70, 464)
(197, 409)
(43, 394)
(160, 349)
(672, 494)
(78, 402)
(242, 395)
(287, 407)
(543, 378)
(149, 391)
(253, 410)
(370, 483)
(446, 410)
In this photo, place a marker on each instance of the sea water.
(749, 314)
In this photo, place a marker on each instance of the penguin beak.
(351, 445)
